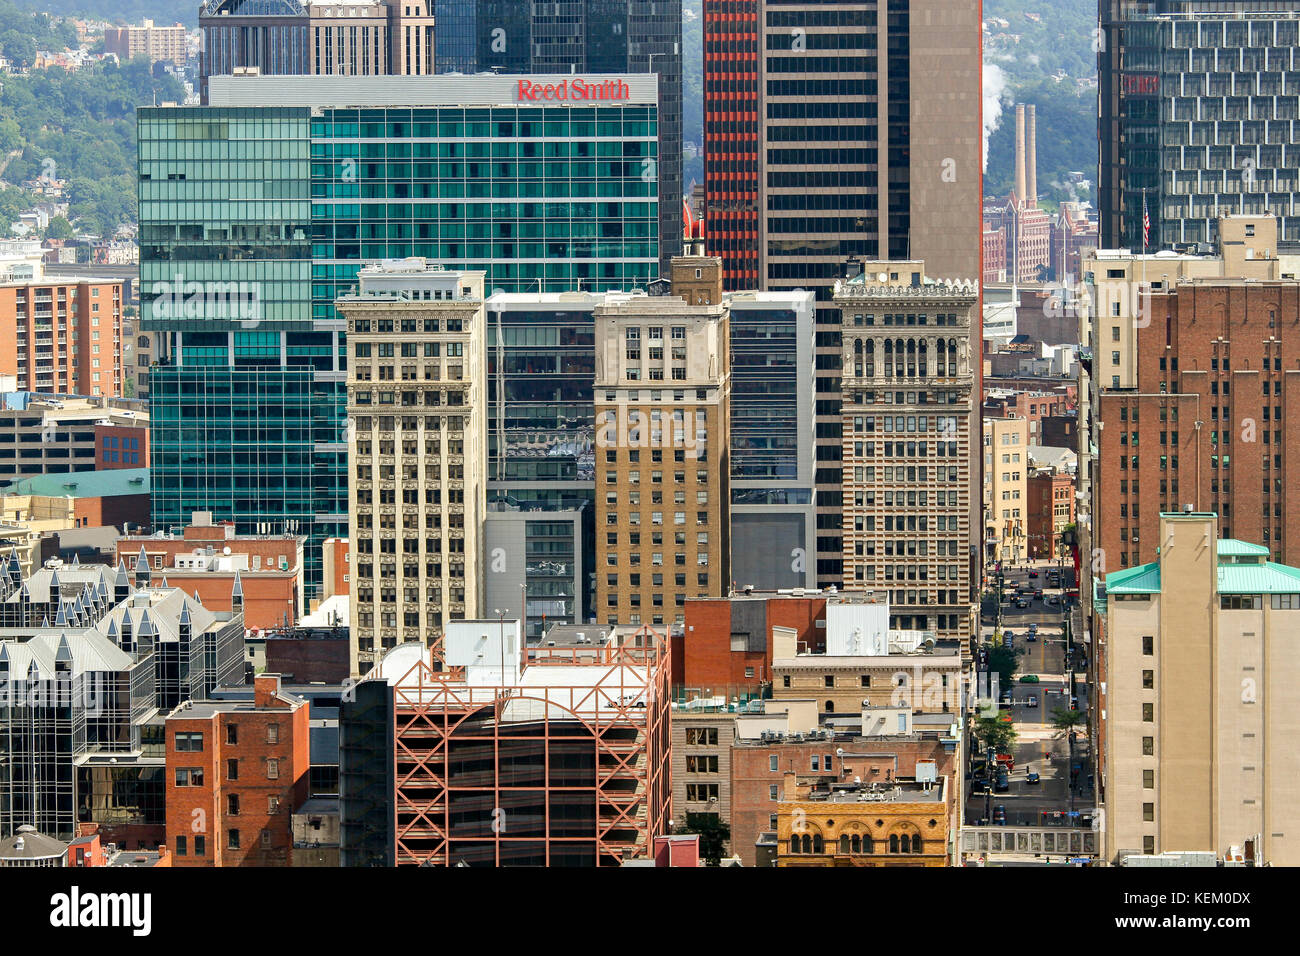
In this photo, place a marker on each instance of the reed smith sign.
(575, 89)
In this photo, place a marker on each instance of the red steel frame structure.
(620, 719)
(731, 132)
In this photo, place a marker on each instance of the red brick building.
(995, 255)
(121, 446)
(1217, 385)
(1033, 406)
(758, 767)
(1050, 509)
(208, 557)
(62, 334)
(236, 770)
(726, 647)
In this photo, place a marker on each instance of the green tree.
(59, 228)
(1065, 721)
(994, 732)
(1003, 661)
(713, 834)
(19, 47)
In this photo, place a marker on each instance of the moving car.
(1031, 777)
(1002, 784)
(1022, 603)
(1000, 815)
(1033, 574)
(1029, 679)
(1053, 599)
(1031, 701)
(1031, 636)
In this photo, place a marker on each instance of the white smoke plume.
(995, 87)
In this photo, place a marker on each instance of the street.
(1037, 747)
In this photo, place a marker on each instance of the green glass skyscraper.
(258, 210)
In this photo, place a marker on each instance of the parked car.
(1031, 777)
(1053, 599)
(1002, 784)
(1000, 815)
(979, 786)
(1038, 593)
(1033, 574)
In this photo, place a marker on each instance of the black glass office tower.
(1200, 115)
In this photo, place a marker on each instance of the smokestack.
(1020, 153)
(1031, 155)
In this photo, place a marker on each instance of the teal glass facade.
(549, 199)
(253, 220)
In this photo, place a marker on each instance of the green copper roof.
(1234, 547)
(1260, 577)
(1143, 579)
(108, 483)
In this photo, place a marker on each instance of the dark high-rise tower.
(848, 128)
(1200, 114)
(731, 138)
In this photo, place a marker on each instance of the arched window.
(857, 843)
(807, 843)
(857, 346)
(868, 845)
(794, 844)
(844, 843)
(916, 843)
(830, 707)
(818, 846)
(871, 357)
(921, 366)
(905, 844)
(893, 843)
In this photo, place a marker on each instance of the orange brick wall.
(73, 374)
(204, 810)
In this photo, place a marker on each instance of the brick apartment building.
(62, 334)
(235, 773)
(1216, 380)
(1050, 509)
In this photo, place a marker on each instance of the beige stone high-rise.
(662, 493)
(417, 429)
(909, 445)
(1006, 489)
(1201, 712)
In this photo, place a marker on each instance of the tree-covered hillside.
(79, 127)
(119, 11)
(1041, 52)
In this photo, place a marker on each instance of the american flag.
(1146, 222)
